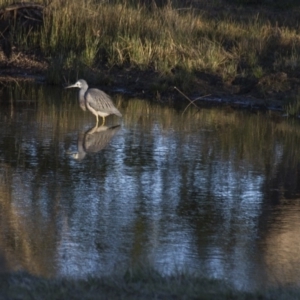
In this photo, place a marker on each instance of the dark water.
(214, 191)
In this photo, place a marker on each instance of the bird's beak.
(71, 86)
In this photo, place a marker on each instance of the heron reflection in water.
(94, 140)
(96, 101)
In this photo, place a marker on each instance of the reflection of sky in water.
(173, 198)
(150, 191)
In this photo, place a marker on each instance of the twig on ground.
(191, 101)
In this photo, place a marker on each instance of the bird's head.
(81, 84)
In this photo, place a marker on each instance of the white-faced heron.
(96, 101)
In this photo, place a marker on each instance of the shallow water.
(213, 191)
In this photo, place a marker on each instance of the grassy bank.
(133, 285)
(234, 47)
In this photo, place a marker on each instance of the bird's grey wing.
(100, 101)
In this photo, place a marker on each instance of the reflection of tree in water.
(279, 220)
(244, 187)
(22, 244)
(284, 181)
(94, 140)
(282, 176)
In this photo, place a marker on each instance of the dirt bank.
(207, 88)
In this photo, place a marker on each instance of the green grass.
(78, 36)
(233, 39)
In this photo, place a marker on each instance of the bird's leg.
(103, 121)
(91, 131)
(96, 121)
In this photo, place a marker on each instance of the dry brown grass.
(236, 43)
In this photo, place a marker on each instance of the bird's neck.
(81, 93)
(82, 99)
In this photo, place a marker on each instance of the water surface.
(213, 191)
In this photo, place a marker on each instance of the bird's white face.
(79, 84)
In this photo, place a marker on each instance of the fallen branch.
(191, 101)
(23, 5)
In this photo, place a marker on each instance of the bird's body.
(96, 101)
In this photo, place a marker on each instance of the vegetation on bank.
(237, 46)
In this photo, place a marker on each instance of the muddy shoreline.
(209, 90)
